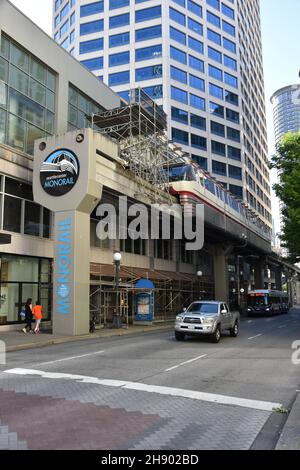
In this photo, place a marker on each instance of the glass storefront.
(23, 278)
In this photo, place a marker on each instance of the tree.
(287, 162)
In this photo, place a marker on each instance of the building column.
(278, 278)
(221, 274)
(259, 273)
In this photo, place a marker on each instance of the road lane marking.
(185, 362)
(171, 391)
(68, 358)
(282, 326)
(256, 336)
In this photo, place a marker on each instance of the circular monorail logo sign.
(59, 172)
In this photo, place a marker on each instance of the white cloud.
(39, 11)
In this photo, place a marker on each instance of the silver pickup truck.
(207, 318)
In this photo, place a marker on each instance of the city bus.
(267, 302)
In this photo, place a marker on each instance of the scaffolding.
(140, 129)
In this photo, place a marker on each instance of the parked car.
(207, 318)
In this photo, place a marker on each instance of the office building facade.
(201, 60)
(44, 91)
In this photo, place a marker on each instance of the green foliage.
(287, 162)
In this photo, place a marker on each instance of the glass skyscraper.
(286, 111)
(201, 60)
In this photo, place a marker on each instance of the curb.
(73, 339)
(290, 435)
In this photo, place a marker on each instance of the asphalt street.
(148, 391)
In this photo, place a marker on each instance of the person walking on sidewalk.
(37, 312)
(28, 315)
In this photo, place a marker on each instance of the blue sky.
(281, 46)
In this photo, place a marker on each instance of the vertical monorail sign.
(64, 181)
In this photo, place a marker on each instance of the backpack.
(23, 314)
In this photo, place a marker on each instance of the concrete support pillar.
(278, 278)
(221, 275)
(259, 273)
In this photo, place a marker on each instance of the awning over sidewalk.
(130, 273)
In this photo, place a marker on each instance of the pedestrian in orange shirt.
(37, 312)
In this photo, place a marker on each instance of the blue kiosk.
(144, 300)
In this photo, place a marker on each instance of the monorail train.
(194, 185)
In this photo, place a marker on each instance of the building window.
(114, 4)
(215, 73)
(179, 115)
(198, 122)
(119, 78)
(64, 11)
(228, 28)
(217, 128)
(91, 46)
(216, 109)
(178, 55)
(215, 91)
(236, 190)
(179, 95)
(145, 34)
(195, 26)
(196, 64)
(218, 148)
(194, 8)
(232, 115)
(230, 80)
(231, 98)
(27, 97)
(147, 14)
(197, 102)
(195, 45)
(91, 27)
(180, 136)
(79, 106)
(202, 161)
(119, 59)
(219, 168)
(233, 153)
(93, 64)
(214, 37)
(147, 53)
(119, 20)
(233, 134)
(196, 82)
(214, 54)
(213, 19)
(198, 142)
(178, 75)
(229, 45)
(119, 39)
(91, 9)
(155, 92)
(235, 172)
(148, 73)
(177, 16)
(177, 35)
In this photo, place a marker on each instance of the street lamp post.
(117, 318)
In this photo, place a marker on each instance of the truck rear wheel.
(235, 330)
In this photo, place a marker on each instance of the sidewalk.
(290, 436)
(17, 340)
